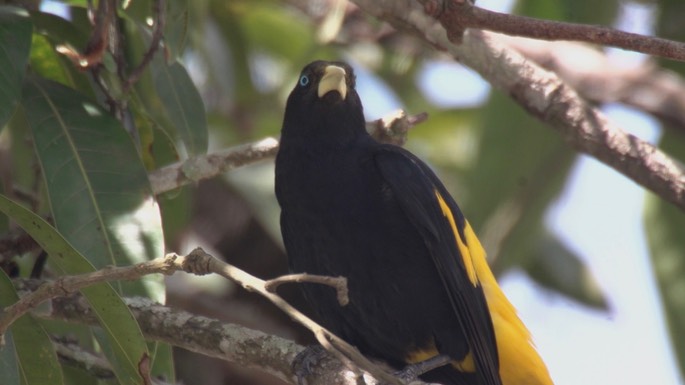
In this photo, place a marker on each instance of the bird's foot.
(413, 371)
(305, 362)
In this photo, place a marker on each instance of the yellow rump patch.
(421, 355)
(461, 245)
(465, 365)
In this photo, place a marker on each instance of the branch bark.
(596, 77)
(458, 15)
(390, 129)
(544, 96)
(200, 334)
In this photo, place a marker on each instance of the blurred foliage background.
(76, 143)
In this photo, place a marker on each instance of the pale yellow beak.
(333, 80)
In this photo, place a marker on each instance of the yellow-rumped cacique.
(419, 284)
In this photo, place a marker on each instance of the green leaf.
(36, 360)
(182, 103)
(98, 189)
(664, 226)
(519, 169)
(669, 25)
(124, 335)
(15, 45)
(99, 195)
(275, 30)
(558, 268)
(576, 11)
(9, 367)
(176, 28)
(51, 32)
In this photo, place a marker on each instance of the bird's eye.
(304, 80)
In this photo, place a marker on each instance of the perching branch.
(199, 263)
(392, 128)
(210, 337)
(546, 97)
(458, 15)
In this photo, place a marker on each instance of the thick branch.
(596, 77)
(545, 96)
(159, 10)
(199, 263)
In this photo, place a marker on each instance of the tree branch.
(647, 87)
(337, 283)
(164, 327)
(206, 166)
(546, 97)
(392, 129)
(159, 10)
(458, 15)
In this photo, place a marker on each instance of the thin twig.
(159, 10)
(206, 166)
(456, 16)
(66, 285)
(337, 283)
(392, 128)
(199, 263)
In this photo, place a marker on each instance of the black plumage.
(379, 216)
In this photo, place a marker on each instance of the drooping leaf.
(556, 267)
(35, 359)
(9, 367)
(124, 335)
(182, 103)
(176, 28)
(15, 45)
(99, 197)
(664, 226)
(519, 169)
(98, 188)
(51, 32)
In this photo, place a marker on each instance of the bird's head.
(324, 103)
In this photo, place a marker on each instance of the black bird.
(419, 284)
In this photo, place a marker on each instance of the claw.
(305, 362)
(413, 371)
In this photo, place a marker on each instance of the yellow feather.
(463, 249)
(520, 363)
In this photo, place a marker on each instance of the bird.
(418, 282)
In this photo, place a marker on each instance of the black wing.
(437, 217)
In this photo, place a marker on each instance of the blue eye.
(304, 80)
